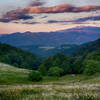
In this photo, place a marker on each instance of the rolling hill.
(10, 74)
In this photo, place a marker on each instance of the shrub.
(55, 71)
(35, 76)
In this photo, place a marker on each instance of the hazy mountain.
(77, 35)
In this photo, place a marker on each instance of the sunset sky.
(47, 15)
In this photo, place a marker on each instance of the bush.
(43, 70)
(92, 67)
(55, 71)
(35, 76)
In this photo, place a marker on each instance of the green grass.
(50, 93)
(11, 75)
(14, 85)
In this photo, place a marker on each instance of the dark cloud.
(53, 21)
(56, 21)
(44, 17)
(25, 17)
(93, 18)
(64, 22)
(36, 3)
(30, 23)
(78, 21)
(15, 15)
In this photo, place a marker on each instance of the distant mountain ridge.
(77, 35)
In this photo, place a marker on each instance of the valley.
(30, 71)
(49, 49)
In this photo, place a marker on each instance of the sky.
(47, 15)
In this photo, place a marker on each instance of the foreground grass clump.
(18, 94)
(37, 95)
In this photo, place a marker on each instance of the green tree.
(77, 66)
(59, 60)
(92, 67)
(55, 71)
(43, 70)
(35, 76)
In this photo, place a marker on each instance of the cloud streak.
(93, 18)
(15, 15)
(60, 9)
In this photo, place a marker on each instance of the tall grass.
(50, 93)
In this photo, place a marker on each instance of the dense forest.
(16, 57)
(62, 64)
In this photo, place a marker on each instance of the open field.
(15, 86)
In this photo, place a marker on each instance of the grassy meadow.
(14, 85)
(11, 75)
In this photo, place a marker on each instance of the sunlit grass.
(50, 92)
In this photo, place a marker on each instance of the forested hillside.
(92, 63)
(59, 64)
(14, 56)
(85, 60)
(84, 49)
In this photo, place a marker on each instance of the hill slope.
(10, 74)
(13, 56)
(87, 48)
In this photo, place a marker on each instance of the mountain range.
(46, 44)
(77, 35)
